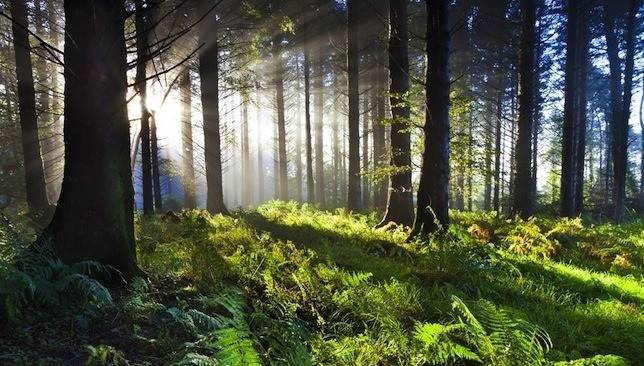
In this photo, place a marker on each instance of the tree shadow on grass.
(383, 258)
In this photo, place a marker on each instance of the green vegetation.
(288, 284)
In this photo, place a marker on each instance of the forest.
(322, 182)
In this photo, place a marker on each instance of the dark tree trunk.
(318, 97)
(141, 88)
(34, 174)
(156, 174)
(58, 153)
(620, 104)
(523, 199)
(574, 129)
(353, 195)
(185, 90)
(642, 146)
(209, 73)
(433, 192)
(400, 201)
(94, 219)
(497, 148)
(310, 185)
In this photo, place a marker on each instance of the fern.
(235, 348)
(195, 359)
(501, 338)
(438, 347)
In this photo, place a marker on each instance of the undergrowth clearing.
(288, 284)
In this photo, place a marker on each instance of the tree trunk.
(246, 182)
(34, 173)
(620, 104)
(57, 121)
(209, 73)
(281, 121)
(141, 88)
(310, 185)
(94, 219)
(433, 191)
(399, 201)
(298, 140)
(318, 97)
(642, 146)
(365, 150)
(523, 199)
(260, 155)
(185, 91)
(353, 195)
(574, 129)
(379, 131)
(156, 175)
(497, 147)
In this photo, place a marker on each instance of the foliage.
(289, 284)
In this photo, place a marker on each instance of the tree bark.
(433, 192)
(353, 195)
(318, 97)
(620, 103)
(399, 200)
(185, 91)
(523, 199)
(281, 121)
(209, 73)
(378, 133)
(141, 88)
(94, 219)
(34, 173)
(310, 184)
(156, 174)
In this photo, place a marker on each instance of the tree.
(523, 198)
(433, 191)
(94, 219)
(310, 184)
(185, 91)
(574, 136)
(399, 201)
(156, 174)
(34, 174)
(318, 98)
(141, 88)
(281, 120)
(209, 74)
(620, 96)
(353, 195)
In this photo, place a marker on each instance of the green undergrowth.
(288, 284)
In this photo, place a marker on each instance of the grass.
(288, 284)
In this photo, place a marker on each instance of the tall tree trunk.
(57, 122)
(246, 182)
(433, 191)
(48, 148)
(497, 147)
(336, 151)
(574, 129)
(298, 140)
(94, 219)
(620, 104)
(34, 173)
(523, 199)
(318, 97)
(310, 185)
(353, 195)
(379, 131)
(642, 146)
(209, 73)
(260, 156)
(400, 207)
(281, 121)
(156, 174)
(365, 150)
(185, 91)
(141, 88)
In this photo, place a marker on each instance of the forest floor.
(288, 284)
